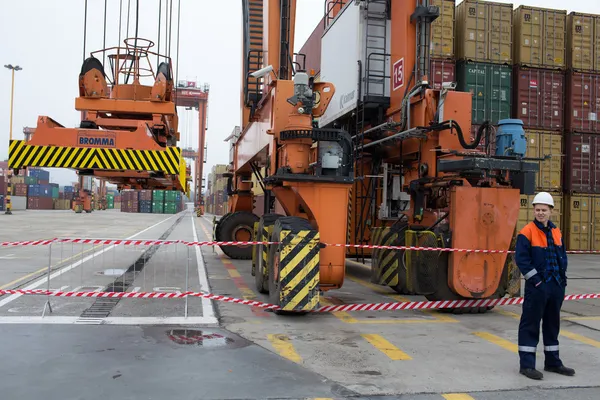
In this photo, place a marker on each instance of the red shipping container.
(538, 98)
(441, 71)
(20, 189)
(582, 169)
(583, 102)
(43, 182)
(40, 203)
(145, 195)
(2, 185)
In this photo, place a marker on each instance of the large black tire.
(218, 225)
(443, 292)
(293, 224)
(261, 272)
(237, 227)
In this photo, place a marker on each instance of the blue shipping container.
(45, 191)
(145, 206)
(33, 191)
(69, 189)
(1, 203)
(40, 174)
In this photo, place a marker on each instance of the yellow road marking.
(508, 314)
(283, 346)
(505, 344)
(234, 273)
(580, 338)
(457, 396)
(386, 347)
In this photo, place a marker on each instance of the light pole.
(12, 96)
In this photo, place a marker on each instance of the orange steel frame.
(186, 97)
(480, 218)
(323, 204)
(125, 111)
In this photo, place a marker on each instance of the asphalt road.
(148, 349)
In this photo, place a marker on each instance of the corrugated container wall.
(440, 71)
(491, 86)
(526, 214)
(442, 30)
(2, 185)
(18, 202)
(538, 98)
(581, 42)
(483, 31)
(540, 37)
(2, 202)
(583, 163)
(578, 221)
(541, 144)
(583, 102)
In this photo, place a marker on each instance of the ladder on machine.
(371, 95)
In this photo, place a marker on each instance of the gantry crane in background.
(452, 195)
(129, 125)
(192, 97)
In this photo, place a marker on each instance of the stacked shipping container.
(149, 201)
(582, 133)
(539, 53)
(215, 200)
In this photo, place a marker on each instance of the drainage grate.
(102, 307)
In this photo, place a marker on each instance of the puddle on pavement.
(206, 339)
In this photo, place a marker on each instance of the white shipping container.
(343, 45)
(18, 202)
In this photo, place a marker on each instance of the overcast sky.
(46, 39)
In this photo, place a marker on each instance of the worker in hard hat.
(542, 259)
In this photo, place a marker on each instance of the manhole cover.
(198, 338)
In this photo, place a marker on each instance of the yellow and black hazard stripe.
(299, 270)
(22, 155)
(255, 249)
(388, 260)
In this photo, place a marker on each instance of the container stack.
(582, 132)
(442, 66)
(215, 200)
(483, 48)
(148, 201)
(158, 202)
(3, 190)
(539, 52)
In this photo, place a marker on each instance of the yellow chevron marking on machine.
(299, 270)
(389, 265)
(169, 160)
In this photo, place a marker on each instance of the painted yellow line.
(283, 346)
(457, 396)
(507, 313)
(580, 338)
(386, 347)
(234, 273)
(505, 344)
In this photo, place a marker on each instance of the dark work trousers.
(542, 303)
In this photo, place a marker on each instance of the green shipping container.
(158, 207)
(31, 180)
(55, 193)
(158, 195)
(170, 208)
(170, 196)
(491, 86)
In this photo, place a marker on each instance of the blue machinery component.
(510, 138)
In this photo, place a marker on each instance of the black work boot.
(532, 373)
(561, 370)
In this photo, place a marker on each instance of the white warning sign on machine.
(398, 74)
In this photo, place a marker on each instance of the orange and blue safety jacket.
(541, 254)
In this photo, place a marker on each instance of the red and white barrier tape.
(215, 243)
(409, 305)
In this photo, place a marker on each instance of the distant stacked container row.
(152, 201)
(215, 199)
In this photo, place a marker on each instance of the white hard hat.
(543, 198)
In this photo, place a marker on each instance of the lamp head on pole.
(16, 67)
